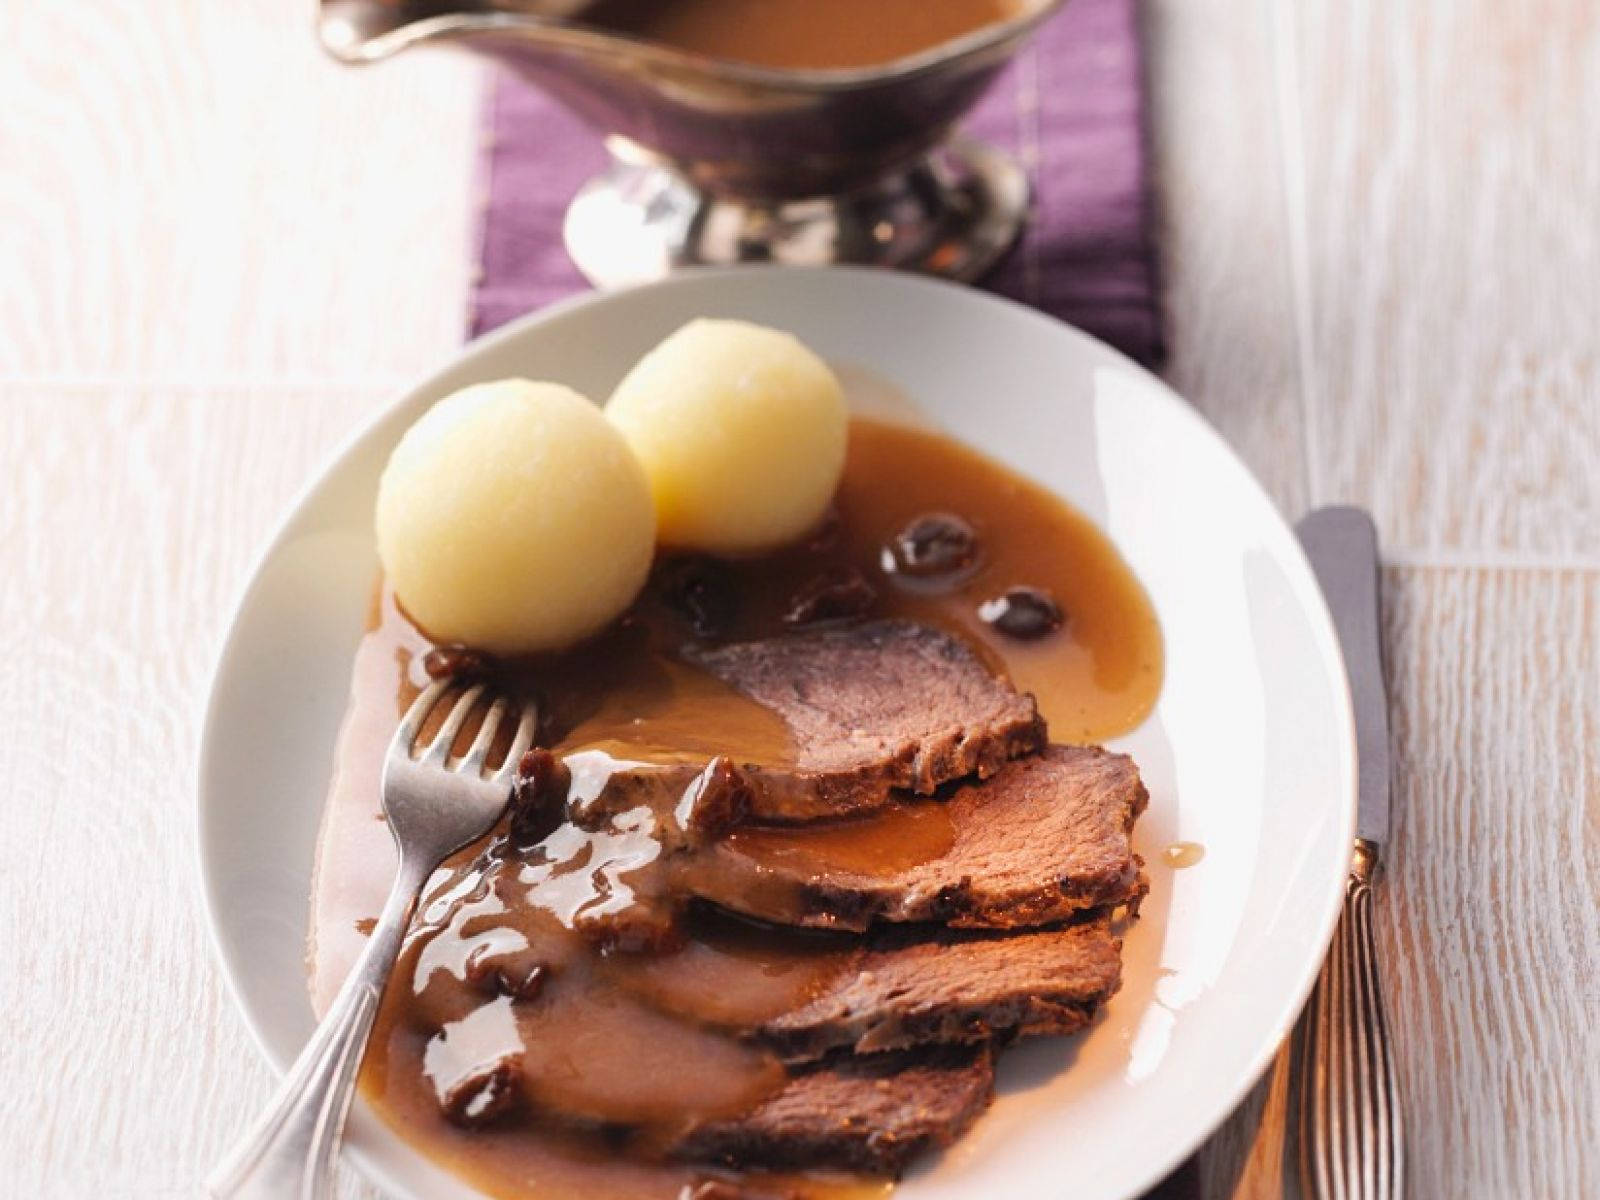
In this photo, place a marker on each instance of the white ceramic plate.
(1249, 753)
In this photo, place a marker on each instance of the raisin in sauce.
(535, 1059)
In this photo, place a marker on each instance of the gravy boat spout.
(719, 161)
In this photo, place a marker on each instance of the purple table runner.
(1071, 108)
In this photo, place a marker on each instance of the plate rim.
(1323, 632)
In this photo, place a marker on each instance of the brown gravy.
(1183, 854)
(879, 844)
(499, 961)
(800, 34)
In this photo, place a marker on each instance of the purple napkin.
(1070, 108)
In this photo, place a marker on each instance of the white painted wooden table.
(1382, 260)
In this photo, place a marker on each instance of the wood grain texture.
(1223, 232)
(1453, 238)
(193, 190)
(133, 518)
(1489, 911)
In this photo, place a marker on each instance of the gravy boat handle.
(366, 31)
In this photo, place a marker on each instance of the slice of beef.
(898, 987)
(1047, 837)
(912, 989)
(871, 1113)
(871, 708)
(886, 704)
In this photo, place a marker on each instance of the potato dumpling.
(513, 518)
(742, 432)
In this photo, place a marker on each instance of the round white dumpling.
(742, 431)
(513, 518)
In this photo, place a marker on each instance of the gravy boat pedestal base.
(953, 213)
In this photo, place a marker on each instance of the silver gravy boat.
(719, 162)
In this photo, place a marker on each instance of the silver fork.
(434, 807)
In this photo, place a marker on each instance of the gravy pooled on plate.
(563, 1022)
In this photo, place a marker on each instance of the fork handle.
(289, 1154)
(1352, 1134)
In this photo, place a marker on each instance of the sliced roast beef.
(803, 996)
(914, 989)
(888, 703)
(1046, 837)
(869, 1113)
(903, 989)
(871, 708)
(978, 869)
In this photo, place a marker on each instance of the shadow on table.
(1249, 1157)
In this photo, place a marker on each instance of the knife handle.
(1352, 1143)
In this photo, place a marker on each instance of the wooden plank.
(1224, 237)
(194, 191)
(132, 519)
(1453, 235)
(1490, 907)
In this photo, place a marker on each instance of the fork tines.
(462, 703)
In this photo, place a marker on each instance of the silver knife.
(1351, 1129)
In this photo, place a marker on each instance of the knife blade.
(1351, 1120)
(1342, 544)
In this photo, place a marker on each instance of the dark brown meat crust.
(914, 988)
(870, 1113)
